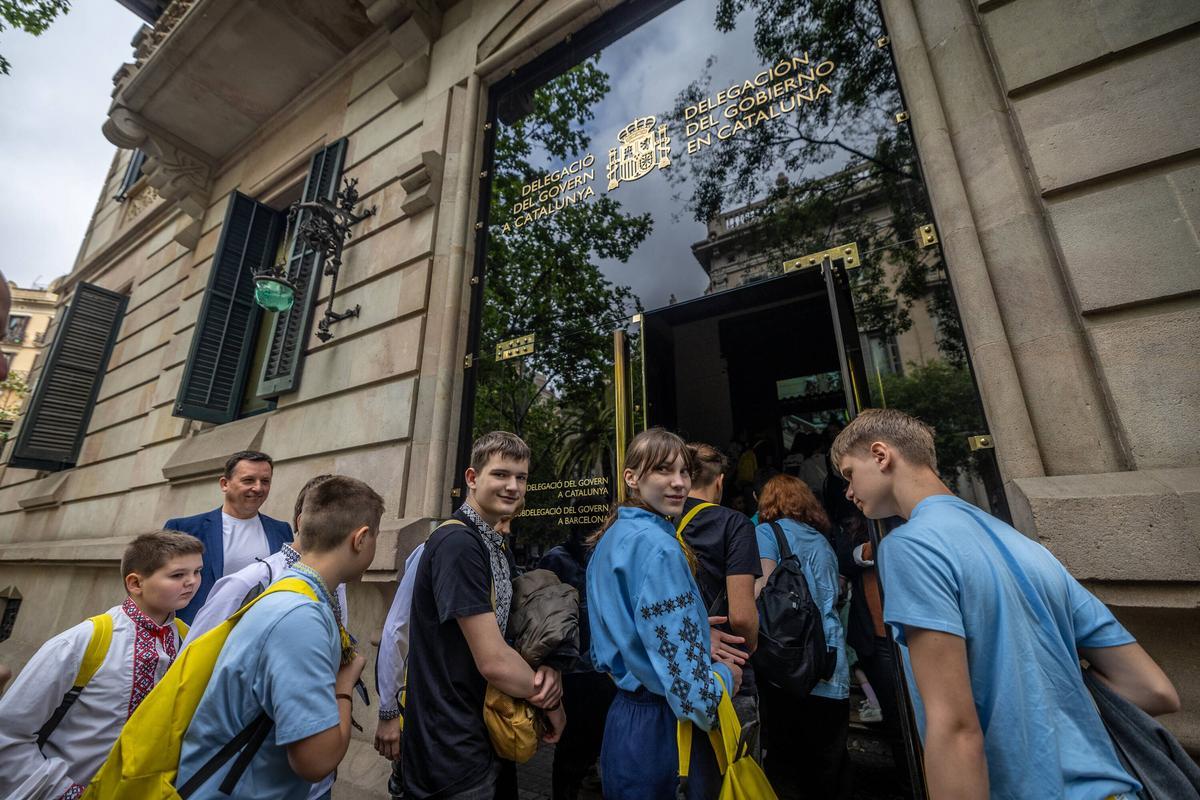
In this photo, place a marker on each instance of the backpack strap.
(781, 541)
(93, 657)
(686, 519)
(248, 741)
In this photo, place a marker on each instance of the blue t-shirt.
(819, 564)
(282, 658)
(955, 569)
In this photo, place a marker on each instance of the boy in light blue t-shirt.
(287, 659)
(991, 627)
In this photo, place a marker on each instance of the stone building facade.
(1066, 201)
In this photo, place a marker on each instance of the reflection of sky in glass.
(647, 70)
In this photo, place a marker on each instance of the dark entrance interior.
(759, 366)
(752, 364)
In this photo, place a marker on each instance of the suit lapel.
(214, 542)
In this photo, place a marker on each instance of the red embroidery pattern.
(74, 793)
(145, 653)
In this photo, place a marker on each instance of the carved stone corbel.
(175, 171)
(422, 182)
(414, 25)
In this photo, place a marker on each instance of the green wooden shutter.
(214, 378)
(289, 335)
(60, 409)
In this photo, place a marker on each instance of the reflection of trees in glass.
(543, 278)
(944, 396)
(834, 170)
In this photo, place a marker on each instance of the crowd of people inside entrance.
(666, 654)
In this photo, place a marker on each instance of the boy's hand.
(722, 644)
(556, 721)
(348, 675)
(387, 738)
(547, 685)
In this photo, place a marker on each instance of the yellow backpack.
(93, 657)
(145, 759)
(742, 778)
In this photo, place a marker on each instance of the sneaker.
(869, 713)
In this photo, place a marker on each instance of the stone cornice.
(413, 26)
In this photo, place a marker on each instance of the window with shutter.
(133, 171)
(214, 378)
(285, 356)
(57, 417)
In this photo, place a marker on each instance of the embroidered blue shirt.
(819, 564)
(649, 627)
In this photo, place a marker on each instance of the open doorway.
(761, 372)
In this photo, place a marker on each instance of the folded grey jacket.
(543, 624)
(1145, 747)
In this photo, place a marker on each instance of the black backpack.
(792, 653)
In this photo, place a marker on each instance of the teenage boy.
(460, 608)
(236, 534)
(991, 627)
(286, 659)
(234, 591)
(162, 572)
(727, 551)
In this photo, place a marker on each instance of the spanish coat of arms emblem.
(642, 148)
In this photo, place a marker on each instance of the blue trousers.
(639, 759)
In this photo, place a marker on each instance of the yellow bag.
(743, 777)
(145, 759)
(513, 725)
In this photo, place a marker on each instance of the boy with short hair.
(39, 759)
(290, 659)
(234, 591)
(460, 605)
(991, 627)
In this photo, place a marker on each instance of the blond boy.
(991, 628)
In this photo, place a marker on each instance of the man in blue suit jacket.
(235, 534)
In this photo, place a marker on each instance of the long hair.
(786, 496)
(647, 450)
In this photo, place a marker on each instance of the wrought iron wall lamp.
(324, 226)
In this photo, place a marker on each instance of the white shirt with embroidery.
(138, 656)
(228, 595)
(243, 541)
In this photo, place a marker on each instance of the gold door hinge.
(882, 42)
(468, 360)
(456, 492)
(927, 236)
(847, 252)
(983, 442)
(901, 117)
(515, 348)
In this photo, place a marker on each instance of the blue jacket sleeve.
(673, 627)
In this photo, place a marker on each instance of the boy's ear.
(133, 584)
(471, 475)
(358, 539)
(882, 454)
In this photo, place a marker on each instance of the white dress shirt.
(393, 643)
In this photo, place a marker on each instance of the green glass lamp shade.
(273, 294)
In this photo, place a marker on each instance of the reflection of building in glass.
(735, 254)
